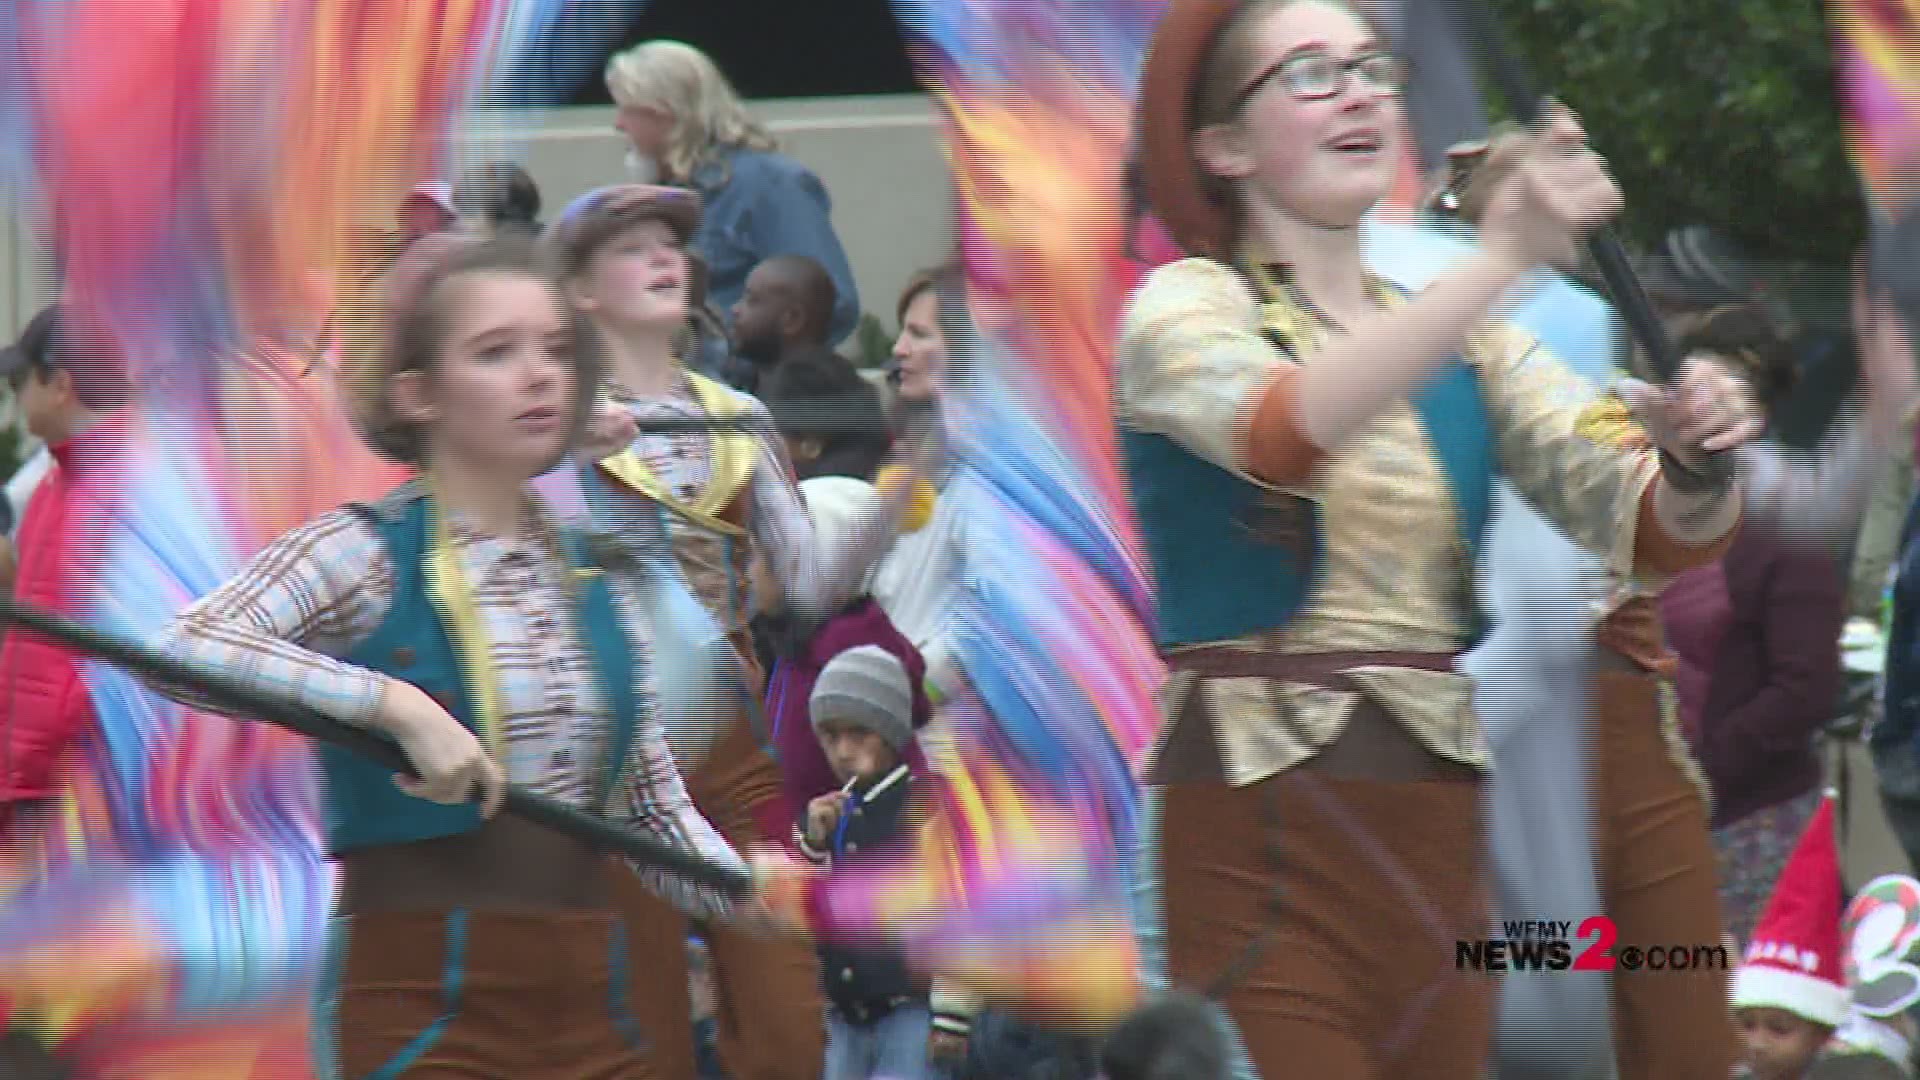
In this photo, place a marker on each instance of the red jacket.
(44, 704)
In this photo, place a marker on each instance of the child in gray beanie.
(862, 711)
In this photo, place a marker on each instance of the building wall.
(878, 156)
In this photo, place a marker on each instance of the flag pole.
(230, 695)
(1523, 99)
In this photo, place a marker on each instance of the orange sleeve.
(1277, 450)
(1657, 553)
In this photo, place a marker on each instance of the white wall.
(878, 156)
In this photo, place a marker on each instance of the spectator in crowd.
(829, 414)
(862, 709)
(689, 128)
(916, 580)
(1757, 638)
(795, 649)
(429, 208)
(68, 404)
(426, 209)
(1179, 1036)
(499, 196)
(783, 313)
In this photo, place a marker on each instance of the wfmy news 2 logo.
(1549, 945)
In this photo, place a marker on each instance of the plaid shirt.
(1193, 362)
(776, 520)
(320, 590)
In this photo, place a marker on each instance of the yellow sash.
(731, 454)
(446, 582)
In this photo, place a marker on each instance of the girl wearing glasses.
(1311, 454)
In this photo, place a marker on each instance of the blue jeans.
(891, 1048)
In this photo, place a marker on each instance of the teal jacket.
(413, 643)
(1232, 559)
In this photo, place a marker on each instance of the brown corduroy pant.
(476, 995)
(1332, 906)
(769, 1009)
(1658, 882)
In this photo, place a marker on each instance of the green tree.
(13, 441)
(872, 343)
(1709, 112)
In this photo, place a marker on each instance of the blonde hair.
(708, 115)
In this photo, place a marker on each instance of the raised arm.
(1814, 501)
(1586, 465)
(817, 580)
(1557, 193)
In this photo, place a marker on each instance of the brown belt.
(1317, 669)
(1374, 745)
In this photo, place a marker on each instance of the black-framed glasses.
(1315, 76)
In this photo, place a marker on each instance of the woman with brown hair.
(459, 618)
(1311, 455)
(1757, 640)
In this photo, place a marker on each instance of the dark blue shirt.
(759, 205)
(1899, 724)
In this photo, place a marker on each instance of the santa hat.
(1793, 961)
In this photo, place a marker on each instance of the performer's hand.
(1554, 197)
(610, 430)
(823, 816)
(1706, 410)
(452, 764)
(781, 885)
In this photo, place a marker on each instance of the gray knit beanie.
(866, 686)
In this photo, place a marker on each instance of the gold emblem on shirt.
(1609, 422)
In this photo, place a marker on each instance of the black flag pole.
(1524, 100)
(822, 417)
(244, 701)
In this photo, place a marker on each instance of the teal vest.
(1232, 559)
(363, 807)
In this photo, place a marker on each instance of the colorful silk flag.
(202, 169)
(1021, 887)
(1877, 61)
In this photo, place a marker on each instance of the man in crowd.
(43, 703)
(785, 311)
